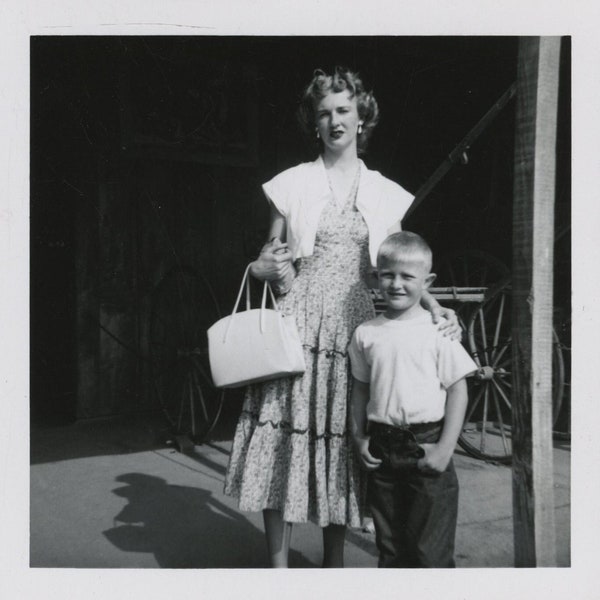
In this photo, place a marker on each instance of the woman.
(292, 455)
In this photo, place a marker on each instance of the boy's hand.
(436, 458)
(369, 462)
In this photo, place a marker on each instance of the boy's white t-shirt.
(409, 366)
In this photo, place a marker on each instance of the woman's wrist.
(284, 284)
(252, 268)
(255, 270)
(429, 302)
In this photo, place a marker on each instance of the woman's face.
(337, 121)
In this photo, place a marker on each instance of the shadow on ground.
(185, 527)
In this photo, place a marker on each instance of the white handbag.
(254, 345)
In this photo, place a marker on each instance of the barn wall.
(119, 201)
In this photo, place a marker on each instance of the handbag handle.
(246, 282)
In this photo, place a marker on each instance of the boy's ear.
(429, 279)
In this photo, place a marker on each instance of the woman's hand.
(445, 317)
(448, 321)
(274, 262)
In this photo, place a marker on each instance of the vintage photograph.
(300, 301)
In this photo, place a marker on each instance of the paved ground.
(110, 495)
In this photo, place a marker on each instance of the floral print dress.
(293, 449)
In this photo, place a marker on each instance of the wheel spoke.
(484, 420)
(203, 371)
(190, 388)
(200, 396)
(202, 403)
(483, 337)
(505, 380)
(498, 325)
(502, 394)
(502, 363)
(502, 352)
(474, 405)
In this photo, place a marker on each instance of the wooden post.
(533, 242)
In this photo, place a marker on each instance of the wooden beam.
(533, 242)
(456, 156)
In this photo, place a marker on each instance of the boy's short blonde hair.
(404, 244)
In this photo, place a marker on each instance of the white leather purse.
(254, 345)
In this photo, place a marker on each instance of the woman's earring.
(317, 130)
(360, 124)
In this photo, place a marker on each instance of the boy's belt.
(416, 428)
(399, 447)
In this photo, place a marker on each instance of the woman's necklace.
(341, 199)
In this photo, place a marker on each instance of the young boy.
(409, 398)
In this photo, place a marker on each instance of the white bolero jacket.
(301, 192)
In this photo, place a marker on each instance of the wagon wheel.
(183, 307)
(471, 268)
(488, 422)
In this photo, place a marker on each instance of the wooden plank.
(533, 241)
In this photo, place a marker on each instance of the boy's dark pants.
(414, 512)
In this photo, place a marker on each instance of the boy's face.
(402, 282)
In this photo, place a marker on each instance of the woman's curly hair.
(341, 79)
